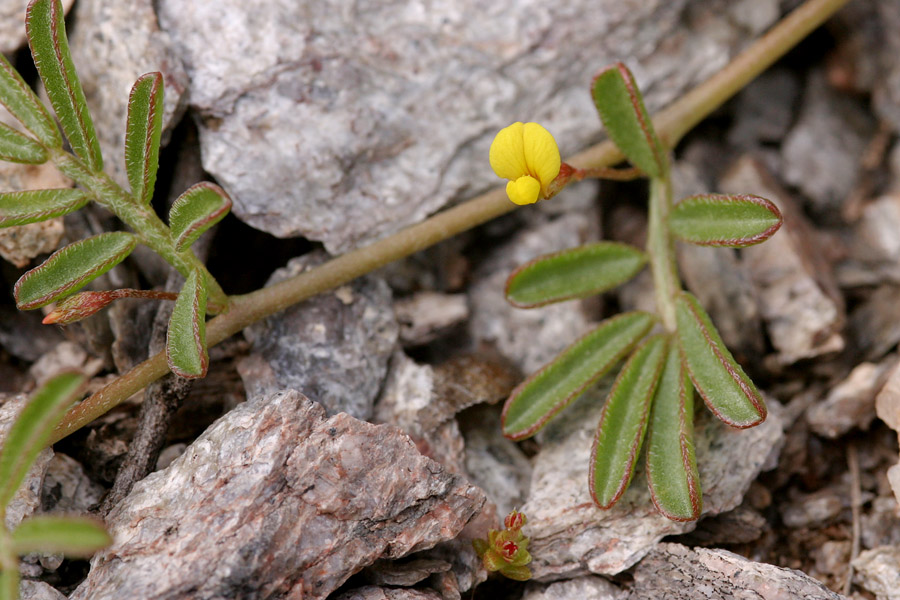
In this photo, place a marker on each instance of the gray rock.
(830, 127)
(875, 323)
(812, 510)
(571, 536)
(851, 403)
(676, 572)
(343, 124)
(873, 248)
(27, 498)
(583, 588)
(798, 298)
(371, 592)
(276, 500)
(67, 488)
(12, 23)
(764, 109)
(334, 347)
(878, 571)
(38, 590)
(114, 43)
(425, 315)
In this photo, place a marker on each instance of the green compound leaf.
(733, 221)
(186, 339)
(23, 104)
(543, 395)
(624, 422)
(574, 273)
(76, 537)
(142, 134)
(625, 119)
(16, 147)
(32, 429)
(20, 208)
(69, 269)
(196, 210)
(722, 383)
(671, 465)
(46, 30)
(9, 584)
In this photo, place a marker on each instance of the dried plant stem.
(671, 124)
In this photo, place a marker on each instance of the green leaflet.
(23, 104)
(574, 273)
(69, 269)
(625, 119)
(142, 134)
(540, 397)
(200, 207)
(20, 208)
(722, 383)
(16, 147)
(46, 30)
(186, 340)
(734, 221)
(671, 465)
(72, 536)
(31, 430)
(624, 422)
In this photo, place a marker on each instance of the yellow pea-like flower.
(528, 156)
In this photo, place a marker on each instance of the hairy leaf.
(543, 395)
(76, 537)
(17, 147)
(23, 104)
(20, 208)
(722, 383)
(574, 273)
(69, 269)
(142, 134)
(196, 210)
(625, 119)
(671, 465)
(733, 221)
(46, 30)
(624, 422)
(31, 430)
(186, 340)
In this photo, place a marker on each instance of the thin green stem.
(142, 219)
(670, 125)
(662, 251)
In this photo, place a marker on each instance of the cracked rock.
(676, 572)
(277, 500)
(320, 117)
(878, 571)
(334, 347)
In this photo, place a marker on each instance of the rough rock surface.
(12, 23)
(38, 590)
(798, 298)
(583, 588)
(571, 536)
(114, 43)
(878, 571)
(371, 592)
(706, 573)
(276, 500)
(319, 117)
(28, 497)
(334, 348)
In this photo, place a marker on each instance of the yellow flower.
(528, 156)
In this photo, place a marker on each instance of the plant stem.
(662, 251)
(670, 125)
(142, 219)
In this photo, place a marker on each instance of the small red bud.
(509, 550)
(514, 520)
